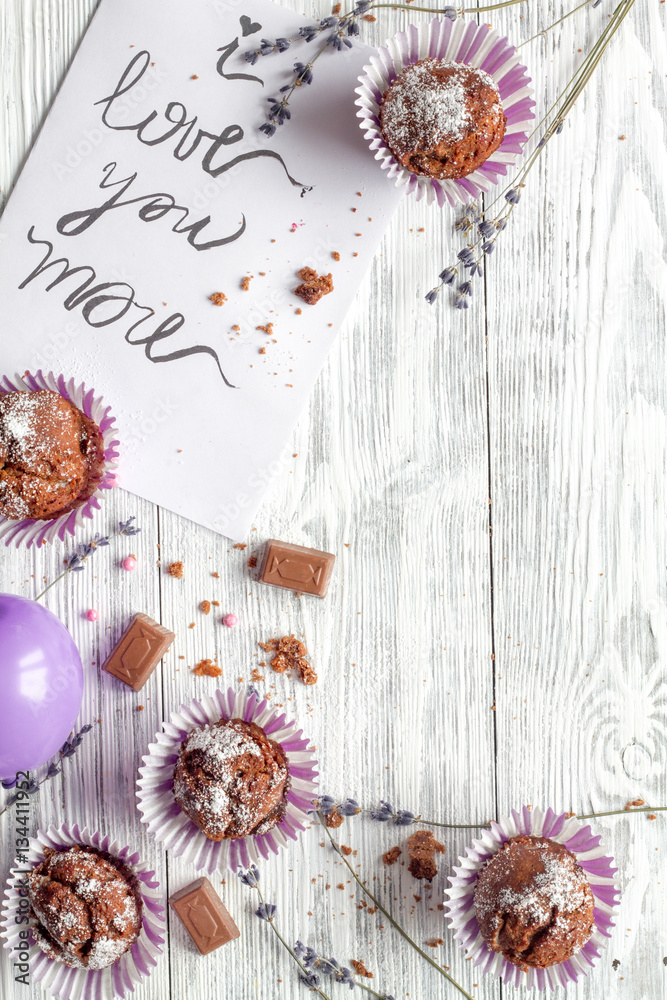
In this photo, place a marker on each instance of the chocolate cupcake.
(85, 906)
(51, 455)
(533, 902)
(231, 779)
(442, 119)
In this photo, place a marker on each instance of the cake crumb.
(268, 329)
(252, 562)
(140, 708)
(290, 654)
(205, 606)
(175, 569)
(218, 298)
(422, 848)
(313, 286)
(216, 575)
(256, 676)
(245, 282)
(240, 545)
(333, 820)
(335, 254)
(191, 625)
(634, 803)
(297, 312)
(435, 942)
(347, 851)
(207, 668)
(391, 856)
(360, 968)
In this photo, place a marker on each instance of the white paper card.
(151, 177)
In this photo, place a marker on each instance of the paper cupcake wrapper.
(169, 824)
(460, 910)
(28, 531)
(59, 980)
(462, 41)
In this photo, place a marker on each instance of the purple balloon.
(41, 684)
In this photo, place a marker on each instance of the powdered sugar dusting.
(86, 911)
(425, 110)
(559, 887)
(222, 743)
(229, 781)
(533, 902)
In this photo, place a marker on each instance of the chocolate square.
(206, 919)
(296, 567)
(138, 651)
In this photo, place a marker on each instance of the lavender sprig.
(68, 749)
(76, 562)
(376, 902)
(483, 228)
(341, 30)
(267, 912)
(331, 969)
(384, 813)
(327, 805)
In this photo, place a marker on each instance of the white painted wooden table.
(462, 671)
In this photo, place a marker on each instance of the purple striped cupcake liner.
(463, 41)
(176, 831)
(57, 979)
(460, 910)
(29, 532)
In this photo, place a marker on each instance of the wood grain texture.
(547, 399)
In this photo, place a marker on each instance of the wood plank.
(577, 421)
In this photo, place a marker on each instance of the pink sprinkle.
(129, 563)
(230, 620)
(92, 615)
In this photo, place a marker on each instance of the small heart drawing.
(248, 27)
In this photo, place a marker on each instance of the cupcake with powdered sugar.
(231, 779)
(58, 452)
(533, 903)
(228, 781)
(533, 899)
(95, 914)
(85, 906)
(442, 119)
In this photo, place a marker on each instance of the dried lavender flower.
(310, 979)
(250, 876)
(384, 813)
(266, 911)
